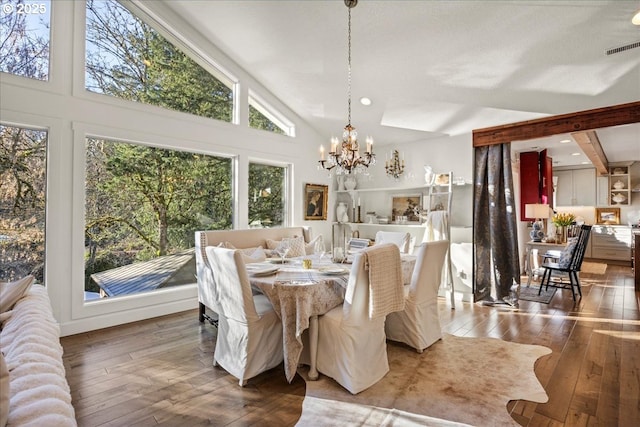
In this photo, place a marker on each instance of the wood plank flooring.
(159, 371)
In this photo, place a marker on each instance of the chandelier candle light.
(345, 156)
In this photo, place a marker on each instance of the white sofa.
(30, 342)
(249, 238)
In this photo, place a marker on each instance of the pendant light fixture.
(345, 156)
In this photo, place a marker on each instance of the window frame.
(180, 298)
(152, 19)
(287, 214)
(256, 101)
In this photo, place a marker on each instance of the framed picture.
(607, 215)
(408, 206)
(315, 201)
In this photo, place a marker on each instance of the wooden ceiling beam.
(589, 143)
(565, 123)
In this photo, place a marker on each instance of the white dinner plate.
(333, 270)
(264, 271)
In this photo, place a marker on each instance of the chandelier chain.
(349, 67)
(345, 155)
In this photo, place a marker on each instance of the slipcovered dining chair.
(398, 238)
(418, 325)
(249, 339)
(352, 347)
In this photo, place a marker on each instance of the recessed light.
(365, 101)
(565, 141)
(575, 154)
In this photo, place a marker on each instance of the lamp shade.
(536, 210)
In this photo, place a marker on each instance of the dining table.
(299, 295)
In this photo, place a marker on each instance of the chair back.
(581, 247)
(355, 307)
(398, 238)
(235, 298)
(427, 273)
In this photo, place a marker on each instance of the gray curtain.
(495, 235)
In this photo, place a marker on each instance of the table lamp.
(540, 212)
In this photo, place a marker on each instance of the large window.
(128, 59)
(24, 38)
(142, 206)
(267, 190)
(23, 154)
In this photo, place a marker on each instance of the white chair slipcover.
(352, 346)
(400, 239)
(419, 325)
(249, 339)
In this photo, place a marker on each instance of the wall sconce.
(394, 166)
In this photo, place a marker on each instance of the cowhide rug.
(456, 380)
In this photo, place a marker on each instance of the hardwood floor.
(159, 371)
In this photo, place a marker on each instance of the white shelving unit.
(432, 195)
(619, 186)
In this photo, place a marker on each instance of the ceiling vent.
(619, 49)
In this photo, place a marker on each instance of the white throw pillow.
(11, 292)
(249, 255)
(296, 246)
(309, 248)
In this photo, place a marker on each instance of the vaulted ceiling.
(433, 68)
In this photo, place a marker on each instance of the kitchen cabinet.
(611, 242)
(536, 180)
(619, 186)
(576, 187)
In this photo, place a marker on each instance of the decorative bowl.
(618, 185)
(619, 198)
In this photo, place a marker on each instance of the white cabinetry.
(602, 191)
(576, 187)
(612, 242)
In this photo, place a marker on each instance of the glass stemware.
(283, 249)
(319, 249)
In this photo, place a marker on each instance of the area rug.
(456, 380)
(593, 267)
(530, 293)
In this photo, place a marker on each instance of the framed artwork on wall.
(406, 206)
(315, 201)
(608, 216)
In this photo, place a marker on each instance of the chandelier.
(345, 156)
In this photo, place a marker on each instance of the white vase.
(340, 179)
(428, 175)
(341, 212)
(350, 183)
